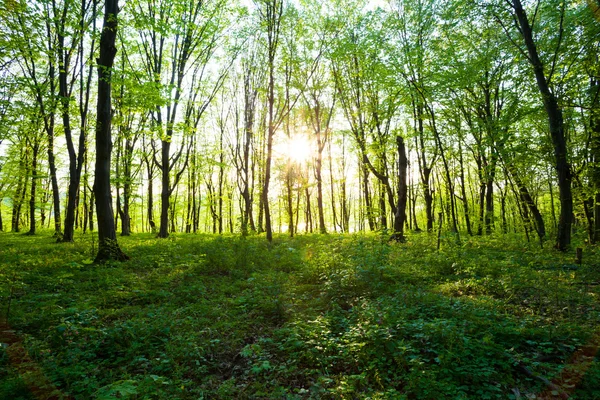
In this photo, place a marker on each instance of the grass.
(313, 317)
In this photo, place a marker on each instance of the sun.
(298, 149)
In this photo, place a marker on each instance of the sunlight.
(298, 149)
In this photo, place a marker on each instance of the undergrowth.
(313, 317)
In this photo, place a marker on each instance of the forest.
(289, 199)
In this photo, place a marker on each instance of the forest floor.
(313, 317)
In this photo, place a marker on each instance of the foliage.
(332, 316)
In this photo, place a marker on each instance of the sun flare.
(298, 149)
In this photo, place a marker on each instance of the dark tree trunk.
(166, 189)
(190, 194)
(382, 209)
(595, 153)
(32, 194)
(54, 180)
(344, 208)
(127, 179)
(19, 195)
(74, 163)
(172, 218)
(489, 194)
(557, 132)
(250, 94)
(108, 248)
(221, 177)
(309, 218)
(91, 210)
(424, 168)
(503, 211)
(150, 201)
(400, 215)
(319, 177)
(289, 198)
(367, 197)
(463, 189)
(482, 188)
(273, 14)
(75, 159)
(331, 185)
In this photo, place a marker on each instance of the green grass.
(314, 317)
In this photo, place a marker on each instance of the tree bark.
(400, 215)
(273, 15)
(108, 248)
(424, 168)
(34, 156)
(557, 132)
(463, 189)
(19, 194)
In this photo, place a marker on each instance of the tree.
(108, 248)
(271, 14)
(543, 76)
(65, 50)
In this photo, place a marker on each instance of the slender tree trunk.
(54, 180)
(91, 210)
(503, 211)
(75, 159)
(32, 194)
(463, 189)
(171, 218)
(528, 203)
(319, 177)
(595, 153)
(424, 168)
(382, 208)
(190, 194)
(108, 248)
(127, 178)
(489, 194)
(331, 185)
(400, 216)
(19, 193)
(273, 15)
(166, 189)
(481, 162)
(367, 197)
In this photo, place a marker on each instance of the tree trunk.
(32, 194)
(595, 154)
(463, 188)
(557, 132)
(528, 202)
(108, 248)
(367, 197)
(489, 194)
(166, 190)
(150, 200)
(424, 168)
(319, 176)
(273, 15)
(54, 180)
(19, 194)
(400, 215)
(331, 185)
